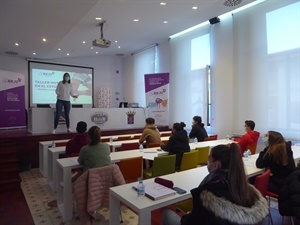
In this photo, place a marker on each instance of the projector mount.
(101, 28)
(101, 42)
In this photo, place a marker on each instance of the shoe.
(70, 131)
(54, 131)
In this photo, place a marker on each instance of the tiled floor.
(43, 207)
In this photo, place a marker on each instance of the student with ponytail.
(95, 154)
(224, 196)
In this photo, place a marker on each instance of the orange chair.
(166, 134)
(252, 148)
(209, 139)
(60, 144)
(261, 183)
(152, 145)
(214, 137)
(132, 169)
(129, 146)
(137, 136)
(123, 138)
(106, 139)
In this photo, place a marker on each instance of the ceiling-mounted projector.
(101, 42)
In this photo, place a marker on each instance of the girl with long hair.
(224, 196)
(277, 156)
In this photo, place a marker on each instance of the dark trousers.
(60, 104)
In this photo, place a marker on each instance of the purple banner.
(12, 98)
(153, 81)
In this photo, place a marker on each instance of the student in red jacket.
(81, 139)
(250, 138)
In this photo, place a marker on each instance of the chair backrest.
(203, 155)
(252, 148)
(151, 145)
(60, 144)
(163, 165)
(129, 146)
(166, 134)
(132, 169)
(209, 139)
(189, 160)
(137, 136)
(213, 137)
(123, 138)
(262, 182)
(106, 139)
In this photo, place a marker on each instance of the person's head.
(94, 135)
(66, 78)
(178, 126)
(249, 125)
(277, 147)
(229, 157)
(197, 120)
(150, 121)
(81, 127)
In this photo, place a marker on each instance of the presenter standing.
(63, 91)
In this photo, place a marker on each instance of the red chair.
(129, 146)
(261, 183)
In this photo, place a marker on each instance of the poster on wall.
(12, 98)
(157, 97)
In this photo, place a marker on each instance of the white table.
(64, 177)
(52, 165)
(186, 180)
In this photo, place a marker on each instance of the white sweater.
(64, 90)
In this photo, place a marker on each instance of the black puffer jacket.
(198, 131)
(178, 144)
(289, 196)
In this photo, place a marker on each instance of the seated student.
(250, 138)
(150, 133)
(288, 199)
(278, 156)
(224, 196)
(81, 139)
(96, 153)
(198, 131)
(178, 143)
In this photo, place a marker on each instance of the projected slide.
(44, 79)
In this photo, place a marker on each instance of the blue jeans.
(169, 217)
(59, 106)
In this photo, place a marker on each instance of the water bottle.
(248, 153)
(195, 140)
(141, 148)
(111, 140)
(227, 137)
(53, 144)
(140, 189)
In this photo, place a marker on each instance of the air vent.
(230, 3)
(11, 53)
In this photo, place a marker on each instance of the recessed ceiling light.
(163, 3)
(34, 53)
(59, 49)
(91, 47)
(119, 46)
(165, 21)
(96, 52)
(116, 41)
(16, 44)
(195, 7)
(136, 20)
(44, 40)
(83, 42)
(68, 54)
(98, 18)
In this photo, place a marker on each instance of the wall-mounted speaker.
(214, 20)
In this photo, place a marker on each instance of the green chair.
(162, 165)
(189, 160)
(184, 206)
(203, 155)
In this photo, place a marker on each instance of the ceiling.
(67, 23)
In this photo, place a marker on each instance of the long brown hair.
(95, 135)
(230, 158)
(277, 148)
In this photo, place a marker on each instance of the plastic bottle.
(246, 154)
(227, 137)
(140, 189)
(111, 140)
(53, 144)
(195, 140)
(141, 148)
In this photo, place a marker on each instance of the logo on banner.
(99, 118)
(12, 81)
(130, 117)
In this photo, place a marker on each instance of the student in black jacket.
(178, 143)
(198, 131)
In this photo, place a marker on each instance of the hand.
(75, 96)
